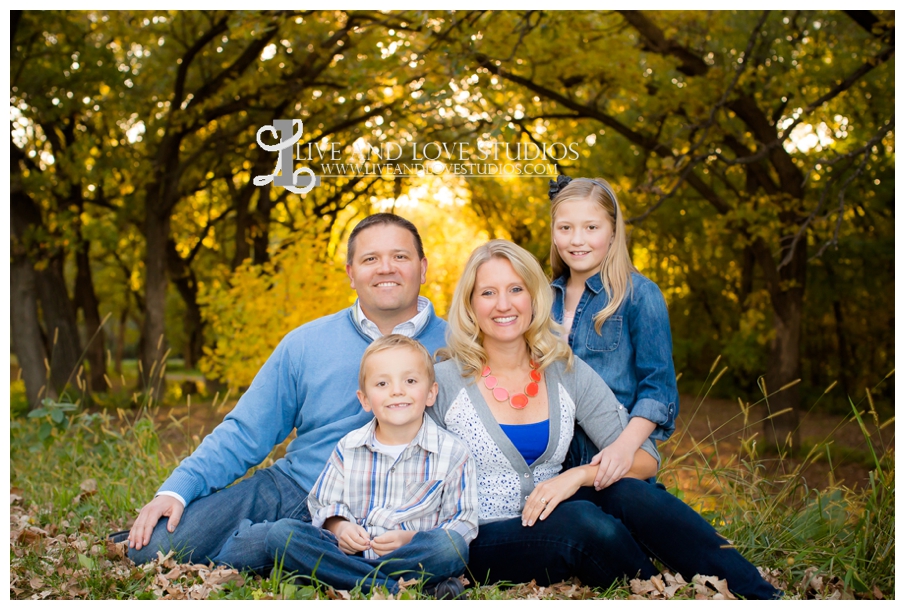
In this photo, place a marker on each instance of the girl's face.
(501, 303)
(582, 234)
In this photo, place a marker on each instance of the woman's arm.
(547, 495)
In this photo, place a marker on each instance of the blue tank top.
(529, 439)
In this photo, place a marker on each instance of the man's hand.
(352, 538)
(151, 513)
(547, 495)
(390, 541)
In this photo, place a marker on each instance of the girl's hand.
(547, 495)
(614, 462)
(390, 541)
(352, 538)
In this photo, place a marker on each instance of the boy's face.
(397, 388)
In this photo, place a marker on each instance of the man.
(308, 384)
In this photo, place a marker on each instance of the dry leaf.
(641, 587)
(705, 584)
(334, 594)
(116, 550)
(224, 575)
(657, 581)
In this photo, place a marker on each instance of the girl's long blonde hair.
(464, 339)
(616, 269)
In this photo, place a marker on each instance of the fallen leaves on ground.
(59, 560)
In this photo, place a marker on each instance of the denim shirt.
(633, 352)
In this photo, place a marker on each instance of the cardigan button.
(526, 475)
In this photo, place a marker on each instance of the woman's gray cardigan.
(505, 480)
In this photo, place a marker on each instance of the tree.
(713, 104)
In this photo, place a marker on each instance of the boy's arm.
(326, 498)
(329, 511)
(459, 508)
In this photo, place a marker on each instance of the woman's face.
(501, 302)
(582, 233)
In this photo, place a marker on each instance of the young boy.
(398, 497)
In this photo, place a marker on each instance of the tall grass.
(816, 541)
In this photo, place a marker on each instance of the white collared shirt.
(409, 328)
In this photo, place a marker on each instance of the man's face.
(387, 273)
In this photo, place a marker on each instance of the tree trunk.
(784, 364)
(184, 279)
(60, 322)
(157, 230)
(260, 228)
(49, 286)
(26, 330)
(86, 300)
(120, 347)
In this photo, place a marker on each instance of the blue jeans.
(670, 530)
(577, 539)
(268, 495)
(312, 552)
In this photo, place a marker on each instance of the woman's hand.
(351, 537)
(547, 495)
(613, 463)
(390, 541)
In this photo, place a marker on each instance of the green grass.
(73, 482)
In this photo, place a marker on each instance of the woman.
(512, 391)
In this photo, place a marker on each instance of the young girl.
(614, 317)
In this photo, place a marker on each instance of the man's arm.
(263, 417)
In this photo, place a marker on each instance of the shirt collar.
(593, 283)
(409, 328)
(428, 436)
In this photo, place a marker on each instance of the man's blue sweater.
(308, 384)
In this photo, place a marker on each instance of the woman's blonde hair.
(464, 339)
(616, 269)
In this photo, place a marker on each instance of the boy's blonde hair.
(464, 339)
(616, 269)
(392, 341)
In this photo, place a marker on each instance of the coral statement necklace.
(501, 394)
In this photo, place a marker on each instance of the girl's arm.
(548, 494)
(619, 459)
(657, 397)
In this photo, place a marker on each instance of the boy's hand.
(352, 538)
(390, 541)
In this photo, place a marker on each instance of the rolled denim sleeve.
(648, 325)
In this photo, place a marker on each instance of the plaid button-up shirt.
(431, 484)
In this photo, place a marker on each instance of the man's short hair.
(383, 218)
(392, 341)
